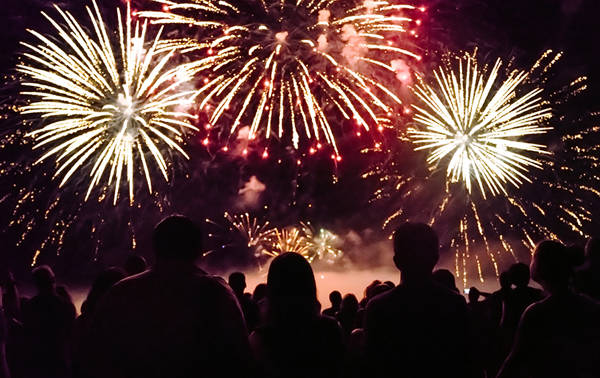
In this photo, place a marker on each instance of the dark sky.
(519, 28)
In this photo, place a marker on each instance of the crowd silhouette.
(174, 320)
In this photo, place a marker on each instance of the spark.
(109, 106)
(477, 125)
(282, 67)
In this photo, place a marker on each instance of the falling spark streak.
(302, 59)
(106, 105)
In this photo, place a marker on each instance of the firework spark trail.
(280, 65)
(481, 125)
(497, 229)
(108, 106)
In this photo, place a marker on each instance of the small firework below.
(245, 231)
(324, 243)
(281, 67)
(290, 239)
(476, 124)
(108, 106)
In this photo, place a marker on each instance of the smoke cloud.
(403, 71)
(353, 49)
(250, 193)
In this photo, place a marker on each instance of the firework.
(281, 67)
(110, 108)
(324, 243)
(552, 200)
(477, 126)
(245, 231)
(290, 239)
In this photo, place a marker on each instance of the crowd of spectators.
(174, 320)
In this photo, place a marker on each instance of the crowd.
(173, 320)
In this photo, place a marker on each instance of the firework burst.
(477, 126)
(290, 239)
(324, 243)
(489, 232)
(109, 108)
(281, 67)
(243, 230)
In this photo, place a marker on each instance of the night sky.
(331, 196)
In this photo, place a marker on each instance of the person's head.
(519, 274)
(416, 250)
(135, 264)
(177, 238)
(552, 265)
(100, 286)
(292, 291)
(237, 282)
(369, 290)
(474, 295)
(260, 292)
(380, 289)
(592, 251)
(43, 278)
(335, 297)
(445, 278)
(390, 284)
(504, 279)
(349, 304)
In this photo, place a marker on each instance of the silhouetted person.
(368, 294)
(47, 321)
(4, 373)
(237, 282)
(15, 346)
(11, 301)
(481, 329)
(100, 287)
(445, 278)
(170, 321)
(419, 328)
(560, 335)
(518, 299)
(135, 264)
(335, 297)
(500, 342)
(347, 314)
(588, 278)
(296, 341)
(259, 296)
(498, 297)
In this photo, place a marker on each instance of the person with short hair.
(47, 324)
(172, 320)
(558, 336)
(335, 297)
(419, 328)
